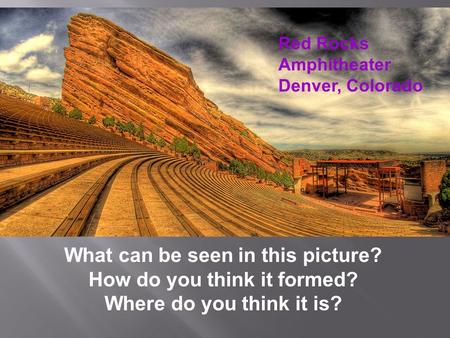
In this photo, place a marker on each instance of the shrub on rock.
(76, 114)
(180, 145)
(122, 127)
(151, 139)
(444, 194)
(261, 174)
(92, 120)
(140, 131)
(161, 142)
(59, 109)
(109, 121)
(194, 151)
(130, 128)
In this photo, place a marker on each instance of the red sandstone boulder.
(110, 72)
(43, 102)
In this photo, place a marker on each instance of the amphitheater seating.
(62, 177)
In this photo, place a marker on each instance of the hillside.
(409, 159)
(350, 154)
(16, 92)
(19, 93)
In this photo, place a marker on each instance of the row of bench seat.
(29, 134)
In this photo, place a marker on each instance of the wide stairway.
(62, 177)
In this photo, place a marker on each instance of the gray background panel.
(406, 294)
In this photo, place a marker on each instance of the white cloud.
(18, 59)
(236, 67)
(235, 64)
(24, 65)
(42, 74)
(322, 120)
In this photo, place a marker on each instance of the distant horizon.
(234, 58)
(445, 152)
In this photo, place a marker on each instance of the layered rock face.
(110, 72)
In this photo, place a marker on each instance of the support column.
(390, 184)
(345, 179)
(298, 185)
(316, 174)
(313, 179)
(337, 180)
(379, 190)
(323, 182)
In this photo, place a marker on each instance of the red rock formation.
(43, 102)
(110, 72)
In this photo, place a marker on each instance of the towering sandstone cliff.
(110, 72)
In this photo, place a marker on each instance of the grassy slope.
(18, 93)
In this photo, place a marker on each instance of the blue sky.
(234, 57)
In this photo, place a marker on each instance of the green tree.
(59, 108)
(274, 177)
(151, 138)
(122, 127)
(92, 120)
(140, 131)
(287, 180)
(234, 166)
(162, 142)
(251, 168)
(248, 168)
(261, 174)
(76, 114)
(130, 128)
(109, 121)
(180, 145)
(444, 194)
(194, 151)
(223, 166)
(244, 133)
(281, 178)
(239, 168)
